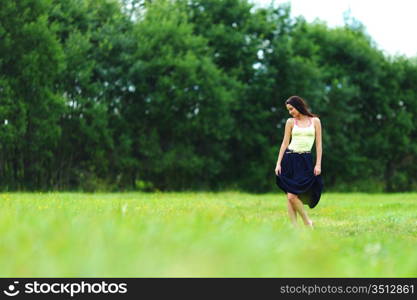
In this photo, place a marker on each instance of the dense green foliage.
(205, 235)
(189, 94)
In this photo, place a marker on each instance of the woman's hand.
(278, 169)
(317, 170)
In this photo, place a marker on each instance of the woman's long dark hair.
(299, 104)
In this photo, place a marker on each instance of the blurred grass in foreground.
(227, 234)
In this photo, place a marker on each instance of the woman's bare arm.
(285, 142)
(319, 149)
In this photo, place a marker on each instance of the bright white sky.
(391, 24)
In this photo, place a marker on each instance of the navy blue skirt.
(297, 177)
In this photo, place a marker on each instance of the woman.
(295, 173)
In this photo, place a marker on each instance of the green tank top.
(302, 138)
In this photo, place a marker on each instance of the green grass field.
(205, 235)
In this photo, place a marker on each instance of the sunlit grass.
(205, 235)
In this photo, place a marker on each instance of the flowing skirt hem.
(309, 193)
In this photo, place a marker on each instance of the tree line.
(189, 95)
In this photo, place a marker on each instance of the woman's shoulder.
(316, 120)
(290, 121)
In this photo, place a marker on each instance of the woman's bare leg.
(298, 206)
(292, 213)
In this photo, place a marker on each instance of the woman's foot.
(310, 224)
